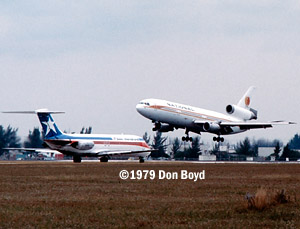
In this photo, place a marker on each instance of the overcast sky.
(97, 59)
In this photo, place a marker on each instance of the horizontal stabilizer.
(254, 125)
(39, 111)
(282, 123)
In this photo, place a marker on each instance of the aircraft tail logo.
(246, 99)
(49, 127)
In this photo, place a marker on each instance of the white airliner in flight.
(88, 145)
(168, 116)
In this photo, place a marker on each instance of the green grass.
(91, 195)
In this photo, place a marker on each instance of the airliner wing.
(254, 125)
(241, 125)
(247, 125)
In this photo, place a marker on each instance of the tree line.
(245, 148)
(9, 139)
(281, 152)
(178, 149)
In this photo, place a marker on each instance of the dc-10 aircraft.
(168, 116)
(88, 145)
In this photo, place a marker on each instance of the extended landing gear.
(76, 159)
(142, 160)
(103, 159)
(187, 137)
(157, 126)
(218, 139)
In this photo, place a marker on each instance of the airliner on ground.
(168, 116)
(88, 145)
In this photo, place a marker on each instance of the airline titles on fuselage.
(179, 106)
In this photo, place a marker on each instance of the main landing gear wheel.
(76, 159)
(218, 139)
(141, 160)
(104, 159)
(187, 138)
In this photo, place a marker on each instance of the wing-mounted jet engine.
(162, 127)
(212, 127)
(166, 128)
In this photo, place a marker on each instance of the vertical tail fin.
(246, 99)
(47, 122)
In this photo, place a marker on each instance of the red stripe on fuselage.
(193, 114)
(63, 142)
(142, 144)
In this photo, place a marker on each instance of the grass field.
(91, 195)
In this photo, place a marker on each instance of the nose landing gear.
(157, 126)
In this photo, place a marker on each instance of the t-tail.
(47, 122)
(243, 110)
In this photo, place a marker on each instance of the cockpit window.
(148, 104)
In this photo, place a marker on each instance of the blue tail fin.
(49, 127)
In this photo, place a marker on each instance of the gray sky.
(97, 59)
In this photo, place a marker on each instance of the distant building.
(205, 150)
(224, 148)
(207, 157)
(265, 151)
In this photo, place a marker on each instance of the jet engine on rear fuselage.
(83, 145)
(241, 113)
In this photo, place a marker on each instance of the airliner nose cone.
(139, 108)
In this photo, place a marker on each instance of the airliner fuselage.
(93, 144)
(184, 116)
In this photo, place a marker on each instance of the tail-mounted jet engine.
(83, 145)
(241, 113)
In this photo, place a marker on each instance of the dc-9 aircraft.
(88, 145)
(168, 116)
